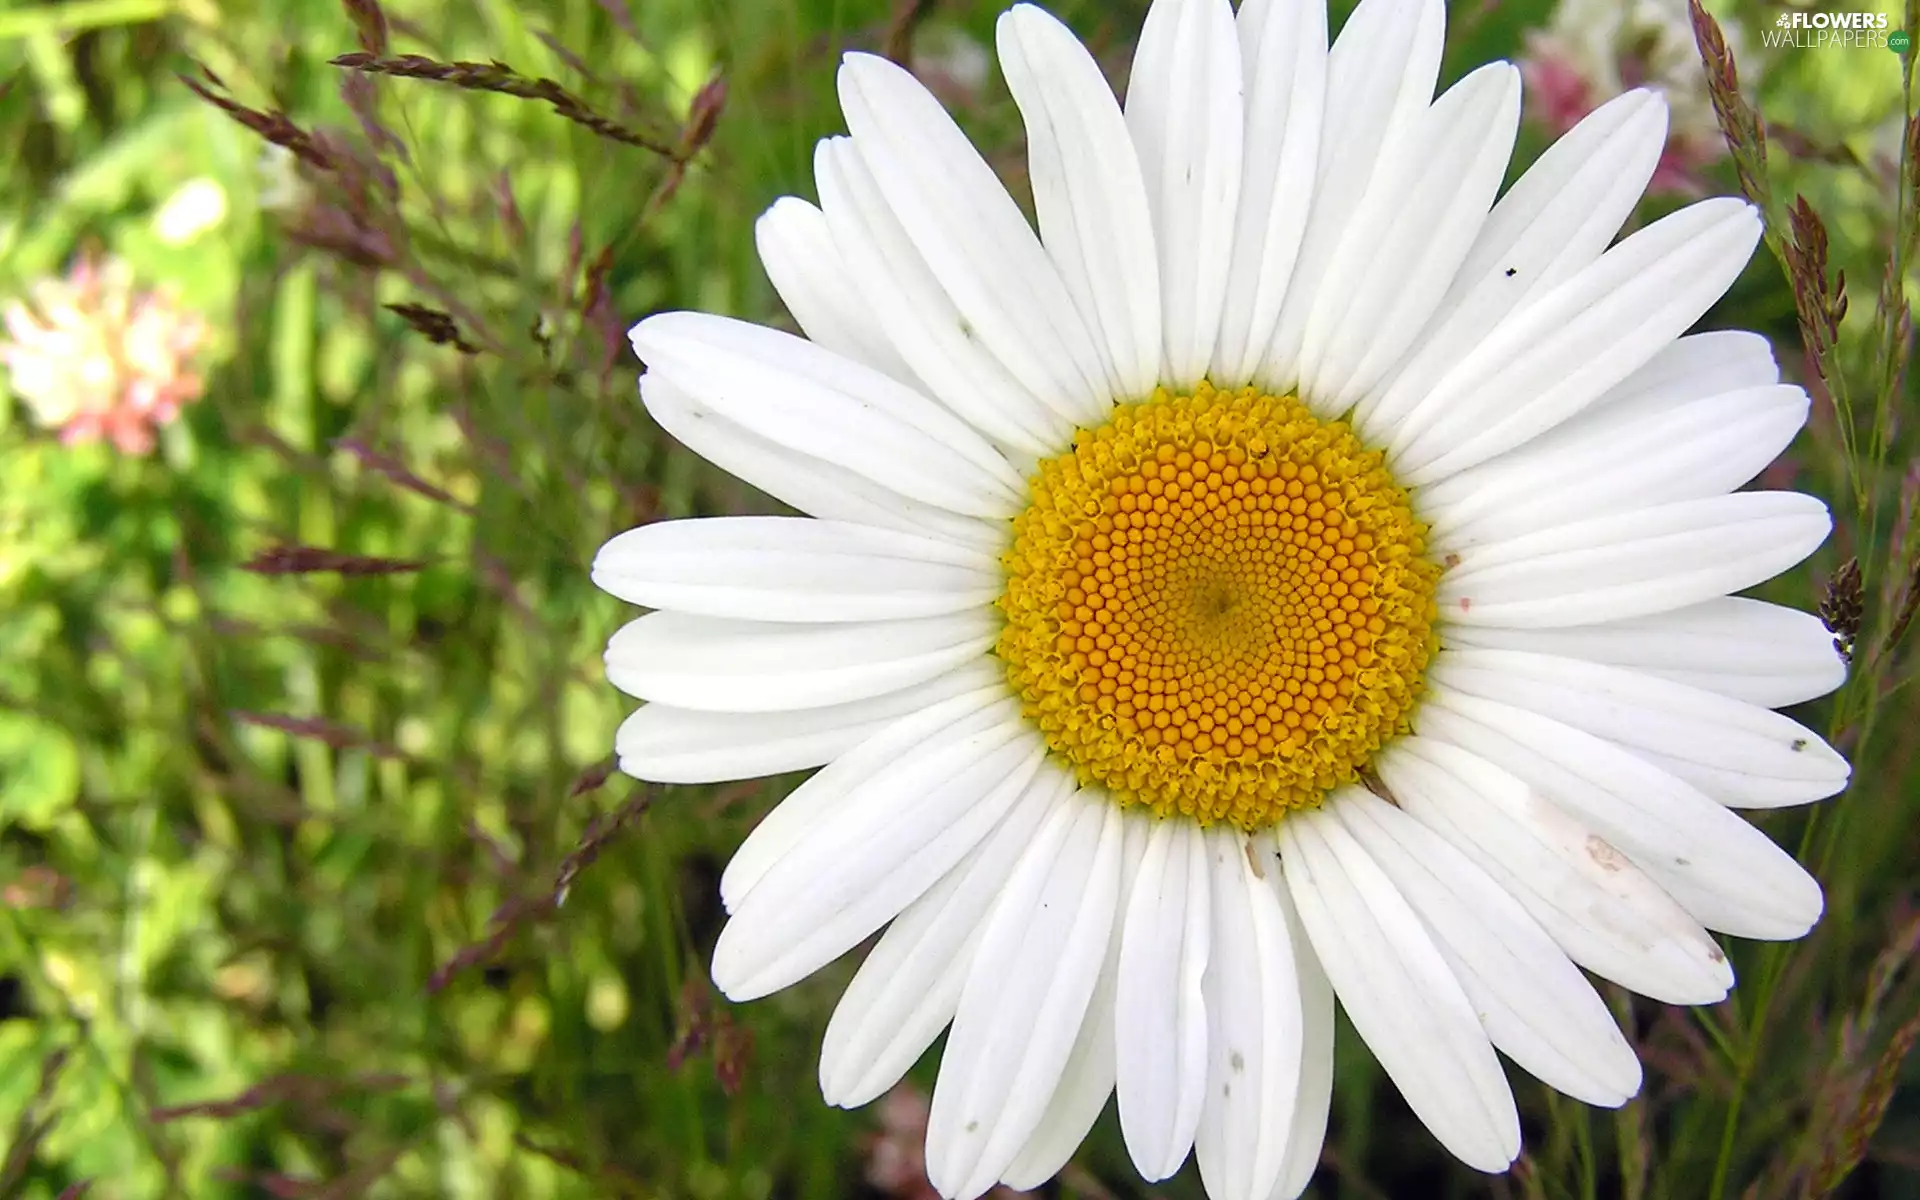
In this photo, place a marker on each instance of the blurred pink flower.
(896, 1153)
(95, 359)
(1593, 50)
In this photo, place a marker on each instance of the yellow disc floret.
(1217, 605)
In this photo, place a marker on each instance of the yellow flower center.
(1217, 605)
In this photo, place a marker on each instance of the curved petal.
(1740, 754)
(1308, 1133)
(1558, 354)
(664, 744)
(1026, 997)
(1535, 1005)
(1164, 949)
(1283, 58)
(1602, 910)
(812, 485)
(1743, 649)
(793, 569)
(886, 842)
(1088, 1078)
(1726, 873)
(717, 665)
(972, 237)
(1254, 1027)
(921, 320)
(1700, 364)
(1398, 990)
(1423, 209)
(1634, 564)
(1088, 192)
(1619, 459)
(815, 800)
(1186, 110)
(1380, 77)
(1554, 221)
(804, 396)
(807, 269)
(906, 991)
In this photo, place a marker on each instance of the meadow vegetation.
(315, 877)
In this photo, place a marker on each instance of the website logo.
(1831, 30)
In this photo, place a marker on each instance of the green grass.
(316, 883)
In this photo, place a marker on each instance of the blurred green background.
(313, 878)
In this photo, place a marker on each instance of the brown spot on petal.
(1601, 851)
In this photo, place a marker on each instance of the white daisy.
(1287, 574)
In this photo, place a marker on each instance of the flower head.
(1295, 571)
(95, 359)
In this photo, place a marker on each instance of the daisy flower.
(1295, 571)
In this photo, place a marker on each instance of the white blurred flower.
(282, 190)
(194, 208)
(952, 63)
(95, 359)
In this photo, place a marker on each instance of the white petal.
(792, 569)
(804, 396)
(1744, 649)
(1613, 460)
(1700, 364)
(1283, 58)
(925, 731)
(1534, 1003)
(1555, 220)
(807, 269)
(1186, 111)
(665, 744)
(1425, 205)
(812, 485)
(1740, 754)
(906, 991)
(972, 236)
(1021, 1010)
(1726, 873)
(886, 842)
(1380, 76)
(920, 318)
(1309, 1131)
(1088, 1078)
(1602, 910)
(1088, 191)
(1254, 1027)
(1608, 568)
(717, 665)
(1399, 992)
(1163, 956)
(1557, 354)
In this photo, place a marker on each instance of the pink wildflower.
(1593, 50)
(95, 359)
(896, 1154)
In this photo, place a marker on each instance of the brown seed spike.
(1739, 124)
(1844, 606)
(501, 78)
(370, 22)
